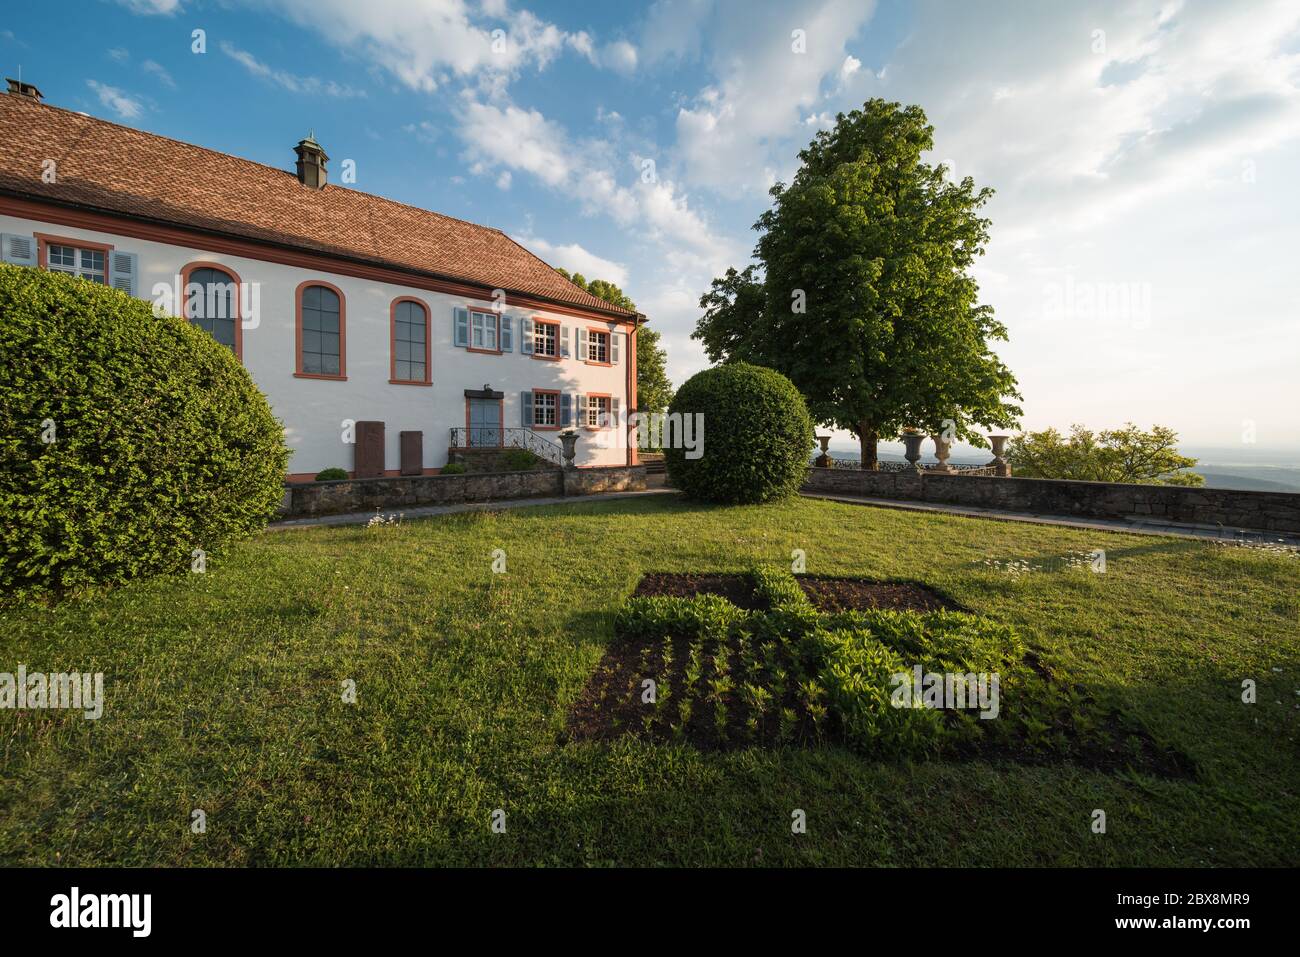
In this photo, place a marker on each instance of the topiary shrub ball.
(757, 435)
(130, 444)
(331, 475)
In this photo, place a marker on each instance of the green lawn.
(223, 693)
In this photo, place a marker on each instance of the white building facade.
(333, 341)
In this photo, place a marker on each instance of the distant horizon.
(1247, 455)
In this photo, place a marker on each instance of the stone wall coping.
(1177, 489)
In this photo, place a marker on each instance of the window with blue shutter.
(526, 336)
(507, 333)
(613, 347)
(460, 323)
(526, 409)
(566, 408)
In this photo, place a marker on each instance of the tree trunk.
(868, 440)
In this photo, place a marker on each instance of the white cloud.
(517, 138)
(424, 131)
(503, 179)
(420, 43)
(674, 30)
(575, 258)
(152, 7)
(511, 137)
(125, 106)
(619, 55)
(159, 71)
(310, 85)
(733, 136)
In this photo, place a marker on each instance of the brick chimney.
(19, 88)
(311, 163)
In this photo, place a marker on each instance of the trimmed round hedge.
(127, 441)
(757, 435)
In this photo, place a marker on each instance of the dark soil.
(860, 594)
(737, 589)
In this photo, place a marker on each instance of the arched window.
(410, 342)
(211, 302)
(322, 339)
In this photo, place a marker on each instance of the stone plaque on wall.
(369, 450)
(412, 453)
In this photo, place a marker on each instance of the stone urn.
(942, 449)
(823, 461)
(569, 444)
(1000, 462)
(912, 447)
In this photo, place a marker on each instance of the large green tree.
(1112, 455)
(863, 294)
(654, 390)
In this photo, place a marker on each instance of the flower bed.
(886, 668)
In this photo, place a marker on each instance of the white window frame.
(78, 268)
(598, 410)
(484, 331)
(540, 408)
(546, 333)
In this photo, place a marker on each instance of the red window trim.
(239, 292)
(45, 239)
(588, 396)
(392, 343)
(559, 411)
(469, 330)
(609, 348)
(297, 332)
(559, 345)
(501, 423)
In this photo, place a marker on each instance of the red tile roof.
(116, 169)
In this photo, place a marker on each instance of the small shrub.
(658, 616)
(331, 475)
(857, 678)
(757, 435)
(780, 588)
(517, 460)
(127, 441)
(453, 468)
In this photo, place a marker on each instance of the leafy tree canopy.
(1115, 455)
(863, 294)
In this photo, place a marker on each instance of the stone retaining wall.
(1261, 511)
(613, 478)
(305, 499)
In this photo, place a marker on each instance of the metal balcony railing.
(968, 470)
(493, 437)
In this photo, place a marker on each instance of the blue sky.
(1144, 152)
